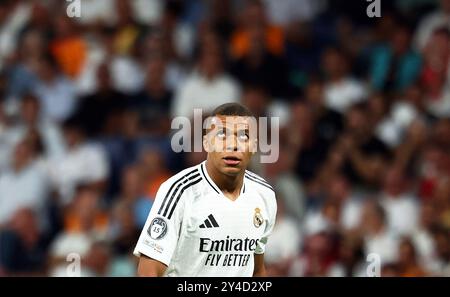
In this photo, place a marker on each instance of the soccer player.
(212, 219)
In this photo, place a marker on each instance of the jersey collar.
(211, 182)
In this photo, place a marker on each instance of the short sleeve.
(270, 223)
(159, 237)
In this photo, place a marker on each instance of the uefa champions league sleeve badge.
(157, 229)
(257, 218)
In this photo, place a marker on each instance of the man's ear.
(254, 146)
(206, 143)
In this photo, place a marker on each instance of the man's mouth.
(230, 160)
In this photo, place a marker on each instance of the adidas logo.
(210, 222)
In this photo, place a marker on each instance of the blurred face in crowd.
(230, 143)
(73, 136)
(23, 154)
(394, 182)
(377, 108)
(372, 217)
(442, 240)
(103, 77)
(254, 13)
(401, 40)
(97, 259)
(211, 59)
(356, 122)
(46, 70)
(334, 64)
(338, 189)
(33, 45)
(63, 25)
(257, 42)
(407, 253)
(24, 222)
(85, 206)
(30, 110)
(124, 219)
(155, 74)
(132, 183)
(427, 215)
(437, 48)
(152, 162)
(255, 99)
(442, 132)
(314, 94)
(302, 120)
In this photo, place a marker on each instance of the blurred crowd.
(364, 105)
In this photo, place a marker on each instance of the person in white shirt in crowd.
(84, 225)
(284, 244)
(30, 118)
(83, 162)
(435, 78)
(393, 128)
(423, 240)
(56, 93)
(398, 201)
(208, 86)
(431, 22)
(341, 90)
(25, 184)
(14, 15)
(378, 238)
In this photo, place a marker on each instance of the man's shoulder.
(183, 177)
(259, 183)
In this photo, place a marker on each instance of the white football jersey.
(197, 231)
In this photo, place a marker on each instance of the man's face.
(230, 143)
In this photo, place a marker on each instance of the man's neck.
(229, 185)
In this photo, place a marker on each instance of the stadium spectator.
(83, 162)
(208, 81)
(25, 184)
(341, 90)
(23, 245)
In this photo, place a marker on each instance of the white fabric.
(83, 164)
(339, 96)
(284, 242)
(26, 188)
(433, 21)
(283, 12)
(198, 92)
(402, 213)
(58, 98)
(384, 244)
(126, 74)
(351, 214)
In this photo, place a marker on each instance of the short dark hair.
(232, 109)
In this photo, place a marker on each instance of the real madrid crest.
(257, 218)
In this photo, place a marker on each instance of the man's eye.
(221, 133)
(243, 136)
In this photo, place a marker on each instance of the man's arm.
(259, 269)
(150, 267)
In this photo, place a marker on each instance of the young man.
(212, 219)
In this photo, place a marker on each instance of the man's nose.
(231, 143)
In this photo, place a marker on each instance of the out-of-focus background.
(364, 106)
